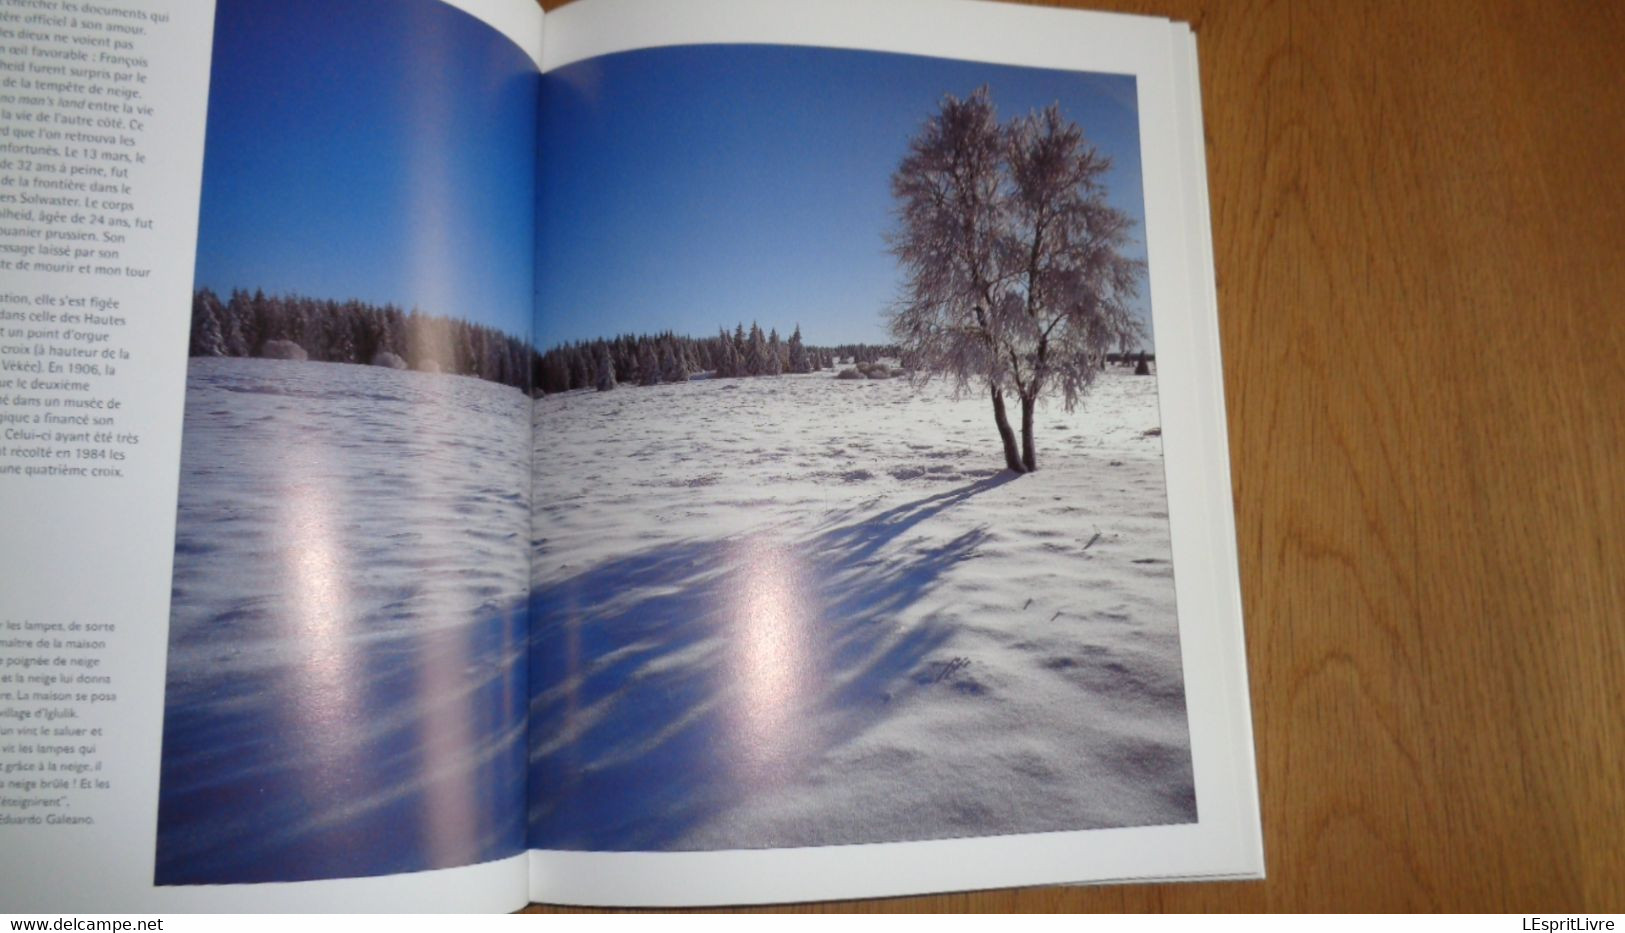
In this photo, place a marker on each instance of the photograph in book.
(851, 521)
(345, 670)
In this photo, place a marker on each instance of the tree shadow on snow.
(345, 755)
(668, 684)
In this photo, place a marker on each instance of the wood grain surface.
(1419, 223)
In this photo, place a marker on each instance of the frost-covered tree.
(755, 355)
(648, 364)
(774, 361)
(208, 336)
(584, 360)
(341, 344)
(726, 358)
(673, 368)
(1016, 278)
(236, 342)
(799, 362)
(604, 375)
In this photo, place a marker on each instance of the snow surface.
(345, 692)
(765, 612)
(807, 611)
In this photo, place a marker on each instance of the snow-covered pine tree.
(755, 352)
(207, 337)
(648, 364)
(266, 317)
(672, 368)
(582, 360)
(241, 313)
(683, 364)
(798, 353)
(381, 336)
(726, 357)
(774, 362)
(604, 378)
(625, 353)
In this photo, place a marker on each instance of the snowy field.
(806, 611)
(345, 683)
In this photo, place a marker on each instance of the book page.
(264, 620)
(882, 540)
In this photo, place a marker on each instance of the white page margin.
(519, 20)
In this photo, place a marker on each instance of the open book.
(652, 453)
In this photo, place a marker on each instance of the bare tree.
(1016, 282)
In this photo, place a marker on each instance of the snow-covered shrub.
(284, 350)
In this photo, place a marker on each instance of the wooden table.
(1419, 220)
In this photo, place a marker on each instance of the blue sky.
(375, 149)
(694, 187)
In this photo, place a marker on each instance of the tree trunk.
(1011, 459)
(1029, 453)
